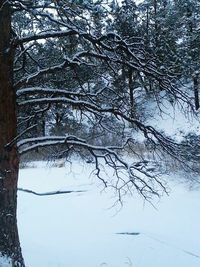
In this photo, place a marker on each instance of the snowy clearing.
(84, 230)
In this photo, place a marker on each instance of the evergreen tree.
(56, 64)
(187, 30)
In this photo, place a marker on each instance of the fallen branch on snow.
(50, 193)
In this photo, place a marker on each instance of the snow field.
(80, 229)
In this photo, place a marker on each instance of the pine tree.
(52, 59)
(187, 14)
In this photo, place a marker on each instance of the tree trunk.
(9, 164)
(196, 90)
(132, 102)
(155, 6)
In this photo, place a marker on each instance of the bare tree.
(50, 54)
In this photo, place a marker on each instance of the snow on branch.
(150, 133)
(65, 92)
(128, 175)
(101, 53)
(40, 36)
(70, 140)
(52, 69)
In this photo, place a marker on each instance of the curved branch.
(50, 193)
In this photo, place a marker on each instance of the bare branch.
(50, 193)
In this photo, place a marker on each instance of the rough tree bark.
(9, 164)
(196, 90)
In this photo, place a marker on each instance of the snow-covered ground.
(5, 261)
(80, 229)
(174, 122)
